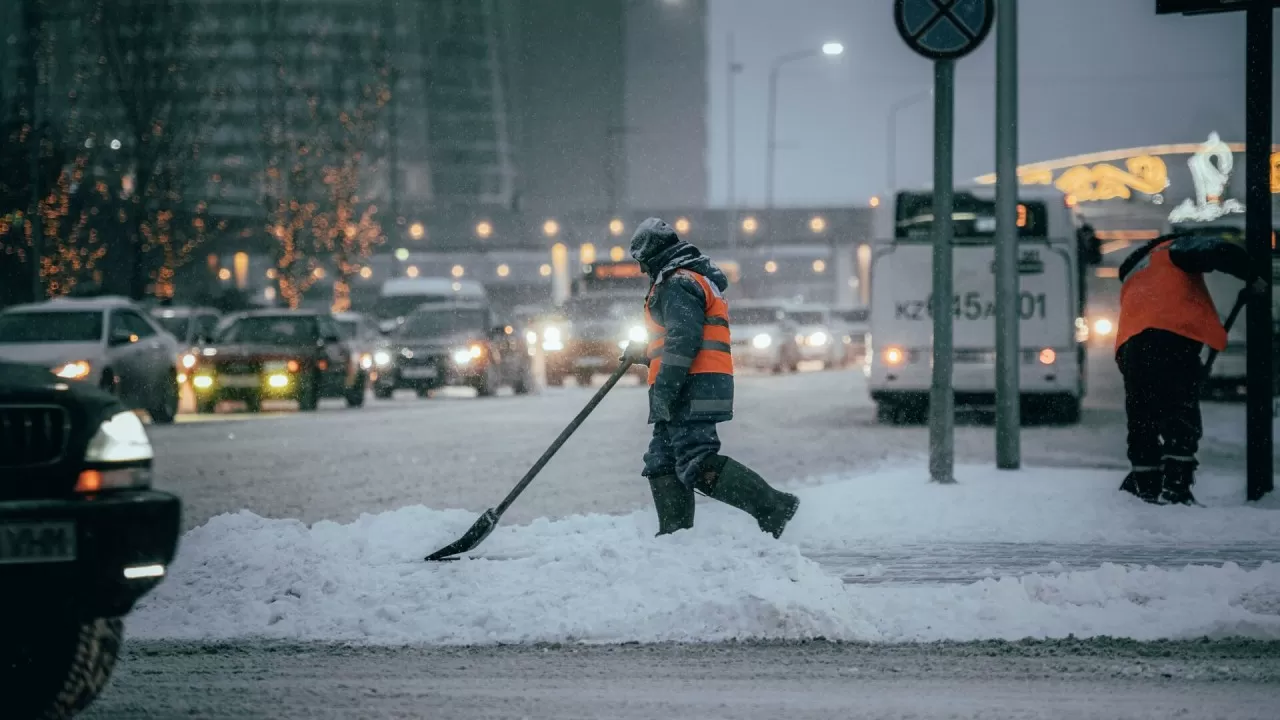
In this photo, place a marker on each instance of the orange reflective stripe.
(715, 354)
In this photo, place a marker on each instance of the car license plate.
(419, 373)
(239, 381)
(589, 362)
(37, 542)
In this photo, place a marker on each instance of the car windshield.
(808, 317)
(271, 330)
(438, 323)
(177, 326)
(51, 327)
(755, 315)
(398, 306)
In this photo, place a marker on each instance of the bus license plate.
(37, 542)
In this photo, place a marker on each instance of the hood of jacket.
(660, 251)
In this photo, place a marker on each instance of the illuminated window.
(503, 271)
(484, 229)
(551, 228)
(771, 267)
(411, 271)
(1022, 216)
(457, 271)
(544, 270)
(417, 230)
(749, 225)
(616, 227)
(819, 266)
(875, 201)
(817, 224)
(617, 253)
(586, 253)
(682, 225)
(366, 272)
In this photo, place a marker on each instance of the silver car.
(106, 341)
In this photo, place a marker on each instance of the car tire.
(253, 404)
(56, 669)
(485, 385)
(355, 394)
(555, 380)
(383, 393)
(583, 378)
(166, 409)
(523, 384)
(423, 392)
(207, 406)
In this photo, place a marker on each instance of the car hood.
(439, 342)
(50, 354)
(259, 352)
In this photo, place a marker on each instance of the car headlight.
(202, 382)
(1102, 327)
(77, 370)
(366, 361)
(637, 334)
(552, 339)
(382, 358)
(189, 360)
(121, 439)
(761, 341)
(464, 356)
(818, 338)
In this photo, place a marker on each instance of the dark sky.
(1095, 75)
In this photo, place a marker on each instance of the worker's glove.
(635, 353)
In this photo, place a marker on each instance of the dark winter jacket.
(1196, 254)
(676, 303)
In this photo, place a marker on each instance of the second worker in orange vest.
(1166, 318)
(690, 361)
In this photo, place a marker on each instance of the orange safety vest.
(716, 353)
(1158, 295)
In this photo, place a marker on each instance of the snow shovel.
(1241, 299)
(489, 520)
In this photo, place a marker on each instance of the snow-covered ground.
(604, 578)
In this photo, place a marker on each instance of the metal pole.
(942, 399)
(1259, 361)
(731, 201)
(1008, 421)
(772, 147)
(33, 22)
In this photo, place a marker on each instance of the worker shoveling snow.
(607, 579)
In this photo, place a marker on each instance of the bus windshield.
(973, 218)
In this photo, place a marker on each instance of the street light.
(830, 49)
(891, 137)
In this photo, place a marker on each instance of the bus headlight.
(1048, 356)
(761, 341)
(893, 356)
(1102, 327)
(189, 360)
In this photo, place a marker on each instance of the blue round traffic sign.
(943, 29)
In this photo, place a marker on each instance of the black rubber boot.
(674, 503)
(1144, 484)
(733, 483)
(1179, 476)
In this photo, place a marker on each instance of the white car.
(764, 336)
(853, 330)
(817, 335)
(109, 342)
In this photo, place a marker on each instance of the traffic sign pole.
(1259, 363)
(942, 451)
(943, 31)
(1008, 418)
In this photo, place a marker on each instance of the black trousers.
(1162, 375)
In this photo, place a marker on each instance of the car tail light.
(894, 356)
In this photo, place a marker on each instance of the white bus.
(899, 359)
(1226, 380)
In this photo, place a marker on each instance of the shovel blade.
(479, 530)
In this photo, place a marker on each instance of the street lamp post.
(831, 49)
(891, 138)
(734, 67)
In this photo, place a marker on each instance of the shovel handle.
(1241, 299)
(623, 367)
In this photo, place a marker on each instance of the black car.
(82, 537)
(452, 343)
(278, 354)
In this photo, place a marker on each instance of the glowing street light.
(544, 270)
(616, 227)
(503, 270)
(550, 228)
(458, 271)
(819, 266)
(417, 230)
(771, 267)
(617, 253)
(682, 225)
(750, 225)
(817, 224)
(484, 229)
(366, 272)
(832, 49)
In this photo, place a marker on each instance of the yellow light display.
(616, 227)
(1145, 173)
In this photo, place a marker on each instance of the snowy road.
(461, 452)
(993, 681)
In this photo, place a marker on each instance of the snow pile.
(607, 579)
